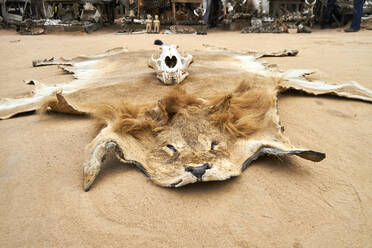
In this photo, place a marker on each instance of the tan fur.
(181, 133)
(168, 138)
(211, 69)
(127, 118)
(123, 117)
(176, 100)
(243, 112)
(239, 114)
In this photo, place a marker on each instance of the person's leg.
(207, 7)
(330, 8)
(213, 14)
(358, 12)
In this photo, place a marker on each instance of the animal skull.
(310, 7)
(170, 66)
(199, 12)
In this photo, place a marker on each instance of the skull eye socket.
(170, 62)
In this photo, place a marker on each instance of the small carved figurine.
(148, 23)
(156, 24)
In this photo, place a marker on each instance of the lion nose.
(198, 171)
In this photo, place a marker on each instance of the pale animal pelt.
(118, 67)
(209, 129)
(183, 139)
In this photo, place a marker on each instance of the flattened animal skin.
(184, 139)
(181, 134)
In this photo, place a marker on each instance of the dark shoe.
(348, 30)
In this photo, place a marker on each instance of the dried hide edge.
(58, 104)
(349, 89)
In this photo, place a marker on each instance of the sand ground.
(289, 203)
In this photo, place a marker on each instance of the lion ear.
(175, 102)
(242, 113)
(158, 113)
(221, 104)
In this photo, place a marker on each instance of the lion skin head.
(184, 139)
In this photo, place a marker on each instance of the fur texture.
(124, 118)
(182, 139)
(181, 134)
(138, 121)
(175, 101)
(242, 113)
(238, 114)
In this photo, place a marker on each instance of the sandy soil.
(289, 203)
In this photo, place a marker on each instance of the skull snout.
(198, 171)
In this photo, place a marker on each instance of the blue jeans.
(207, 6)
(358, 12)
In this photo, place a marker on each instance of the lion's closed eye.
(171, 150)
(171, 147)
